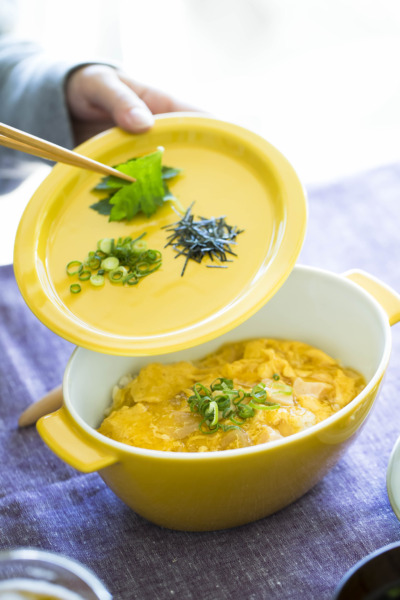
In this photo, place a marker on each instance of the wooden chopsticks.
(49, 403)
(30, 144)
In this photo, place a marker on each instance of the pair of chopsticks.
(30, 144)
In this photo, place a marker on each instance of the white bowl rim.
(266, 446)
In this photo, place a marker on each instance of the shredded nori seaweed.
(195, 239)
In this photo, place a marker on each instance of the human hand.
(99, 96)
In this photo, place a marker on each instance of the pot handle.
(69, 443)
(387, 298)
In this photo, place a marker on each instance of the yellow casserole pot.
(348, 317)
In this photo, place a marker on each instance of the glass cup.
(32, 574)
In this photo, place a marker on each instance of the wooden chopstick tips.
(16, 139)
(49, 403)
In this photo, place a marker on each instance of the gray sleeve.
(32, 94)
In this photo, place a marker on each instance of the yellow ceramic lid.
(227, 171)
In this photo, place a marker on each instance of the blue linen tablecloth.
(301, 552)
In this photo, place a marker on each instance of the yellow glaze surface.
(152, 411)
(227, 171)
(218, 490)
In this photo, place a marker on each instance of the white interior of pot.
(313, 306)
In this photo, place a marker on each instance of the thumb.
(120, 101)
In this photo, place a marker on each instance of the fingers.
(156, 100)
(97, 92)
(122, 103)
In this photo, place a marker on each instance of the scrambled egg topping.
(151, 409)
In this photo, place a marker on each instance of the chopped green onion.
(139, 246)
(199, 387)
(117, 275)
(126, 261)
(105, 245)
(74, 267)
(267, 406)
(131, 279)
(213, 407)
(245, 411)
(75, 288)
(143, 268)
(210, 430)
(152, 256)
(94, 263)
(281, 388)
(276, 376)
(84, 275)
(222, 402)
(222, 384)
(110, 263)
(259, 393)
(97, 280)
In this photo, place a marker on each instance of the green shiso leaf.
(112, 184)
(146, 194)
(169, 172)
(103, 207)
